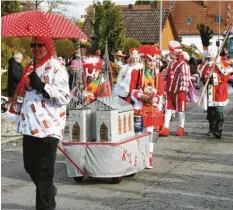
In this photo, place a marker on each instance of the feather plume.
(206, 34)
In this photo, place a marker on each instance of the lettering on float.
(131, 158)
(127, 156)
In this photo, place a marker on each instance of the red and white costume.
(93, 84)
(128, 77)
(218, 90)
(177, 76)
(151, 86)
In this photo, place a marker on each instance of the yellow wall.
(167, 35)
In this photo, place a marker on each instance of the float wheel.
(116, 180)
(78, 178)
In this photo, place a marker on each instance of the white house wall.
(196, 39)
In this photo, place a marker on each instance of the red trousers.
(176, 101)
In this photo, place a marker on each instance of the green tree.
(108, 25)
(138, 2)
(130, 43)
(153, 3)
(64, 48)
(8, 7)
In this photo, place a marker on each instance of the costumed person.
(216, 95)
(148, 99)
(39, 106)
(118, 58)
(117, 64)
(128, 77)
(177, 77)
(94, 83)
(73, 64)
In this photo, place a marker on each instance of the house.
(141, 23)
(187, 14)
(107, 119)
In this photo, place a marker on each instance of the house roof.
(200, 12)
(143, 24)
(111, 103)
(140, 24)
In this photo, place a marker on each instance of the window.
(171, 5)
(218, 19)
(189, 20)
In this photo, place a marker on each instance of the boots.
(164, 132)
(218, 129)
(150, 161)
(151, 149)
(180, 131)
(211, 129)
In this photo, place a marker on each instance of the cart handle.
(68, 157)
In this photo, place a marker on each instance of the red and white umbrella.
(38, 23)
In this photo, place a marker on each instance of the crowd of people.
(157, 87)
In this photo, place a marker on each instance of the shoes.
(180, 132)
(210, 133)
(164, 132)
(218, 134)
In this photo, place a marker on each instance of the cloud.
(78, 7)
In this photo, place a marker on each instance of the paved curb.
(8, 139)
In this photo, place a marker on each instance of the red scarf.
(24, 83)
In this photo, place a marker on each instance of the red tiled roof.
(199, 14)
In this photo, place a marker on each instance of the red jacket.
(217, 91)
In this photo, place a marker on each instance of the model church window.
(76, 132)
(103, 133)
(119, 125)
(129, 122)
(124, 121)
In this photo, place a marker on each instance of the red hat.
(91, 64)
(149, 52)
(175, 47)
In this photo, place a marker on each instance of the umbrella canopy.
(38, 23)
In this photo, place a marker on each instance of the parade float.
(105, 140)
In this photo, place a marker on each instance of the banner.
(99, 159)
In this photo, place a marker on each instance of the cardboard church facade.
(107, 119)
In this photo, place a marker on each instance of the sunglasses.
(33, 45)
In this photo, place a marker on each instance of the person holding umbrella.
(40, 104)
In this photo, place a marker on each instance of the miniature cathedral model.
(107, 119)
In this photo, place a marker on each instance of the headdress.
(92, 64)
(75, 64)
(210, 49)
(175, 47)
(149, 52)
(134, 53)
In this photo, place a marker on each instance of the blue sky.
(78, 6)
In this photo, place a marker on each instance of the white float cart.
(107, 159)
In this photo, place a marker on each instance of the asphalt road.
(190, 172)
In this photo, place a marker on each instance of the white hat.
(212, 50)
(186, 56)
(175, 47)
